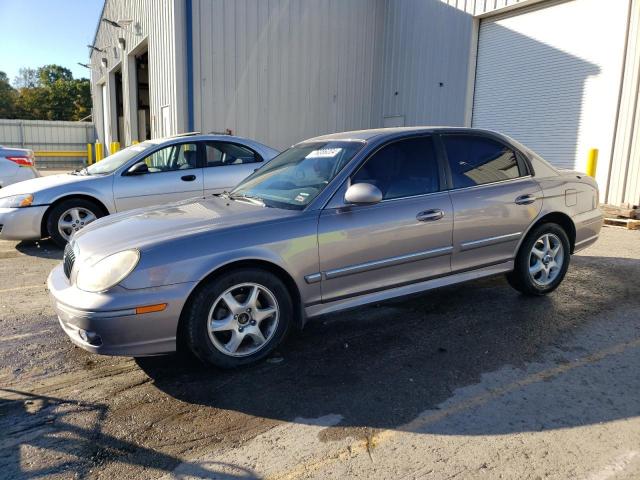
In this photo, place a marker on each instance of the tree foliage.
(48, 93)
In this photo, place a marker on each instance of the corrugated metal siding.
(426, 58)
(44, 135)
(624, 179)
(283, 70)
(162, 25)
(549, 77)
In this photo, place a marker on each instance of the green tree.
(7, 97)
(32, 104)
(27, 78)
(49, 93)
(50, 74)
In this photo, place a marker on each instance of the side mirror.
(363, 194)
(138, 169)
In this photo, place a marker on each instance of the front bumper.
(22, 223)
(106, 323)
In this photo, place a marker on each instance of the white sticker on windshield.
(301, 197)
(324, 153)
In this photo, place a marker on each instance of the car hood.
(145, 228)
(40, 184)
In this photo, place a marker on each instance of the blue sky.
(39, 32)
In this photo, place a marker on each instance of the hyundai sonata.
(332, 223)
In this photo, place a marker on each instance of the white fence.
(56, 144)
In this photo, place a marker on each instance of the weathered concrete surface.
(473, 381)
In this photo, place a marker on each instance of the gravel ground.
(473, 381)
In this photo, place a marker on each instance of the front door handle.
(430, 215)
(525, 199)
(188, 178)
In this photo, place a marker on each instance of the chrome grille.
(68, 259)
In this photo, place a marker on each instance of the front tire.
(542, 261)
(238, 318)
(70, 216)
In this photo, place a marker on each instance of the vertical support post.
(21, 130)
(89, 154)
(114, 147)
(592, 162)
(99, 152)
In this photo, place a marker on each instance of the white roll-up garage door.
(549, 76)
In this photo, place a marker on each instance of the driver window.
(402, 169)
(175, 157)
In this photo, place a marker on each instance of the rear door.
(226, 164)
(174, 174)
(403, 239)
(494, 199)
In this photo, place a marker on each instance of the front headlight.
(16, 201)
(107, 272)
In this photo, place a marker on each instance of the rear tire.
(542, 260)
(238, 318)
(70, 216)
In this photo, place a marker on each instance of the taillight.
(22, 161)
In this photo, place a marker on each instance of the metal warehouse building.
(562, 77)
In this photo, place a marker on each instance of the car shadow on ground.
(46, 248)
(81, 449)
(383, 366)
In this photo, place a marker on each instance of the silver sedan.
(150, 173)
(333, 223)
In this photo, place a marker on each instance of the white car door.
(226, 164)
(173, 174)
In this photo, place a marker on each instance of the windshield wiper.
(249, 198)
(226, 195)
(80, 171)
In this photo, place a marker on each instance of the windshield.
(296, 176)
(116, 160)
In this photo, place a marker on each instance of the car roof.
(377, 133)
(200, 136)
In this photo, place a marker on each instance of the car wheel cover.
(74, 219)
(243, 319)
(546, 259)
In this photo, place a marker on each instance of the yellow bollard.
(135, 142)
(99, 153)
(115, 146)
(592, 162)
(89, 154)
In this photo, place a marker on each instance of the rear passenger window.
(402, 169)
(218, 154)
(475, 160)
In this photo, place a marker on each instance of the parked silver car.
(150, 173)
(333, 223)
(16, 165)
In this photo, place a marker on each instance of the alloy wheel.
(546, 259)
(243, 319)
(73, 220)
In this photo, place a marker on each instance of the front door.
(174, 174)
(494, 200)
(403, 239)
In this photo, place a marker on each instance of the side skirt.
(378, 296)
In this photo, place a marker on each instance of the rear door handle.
(188, 178)
(430, 215)
(525, 199)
